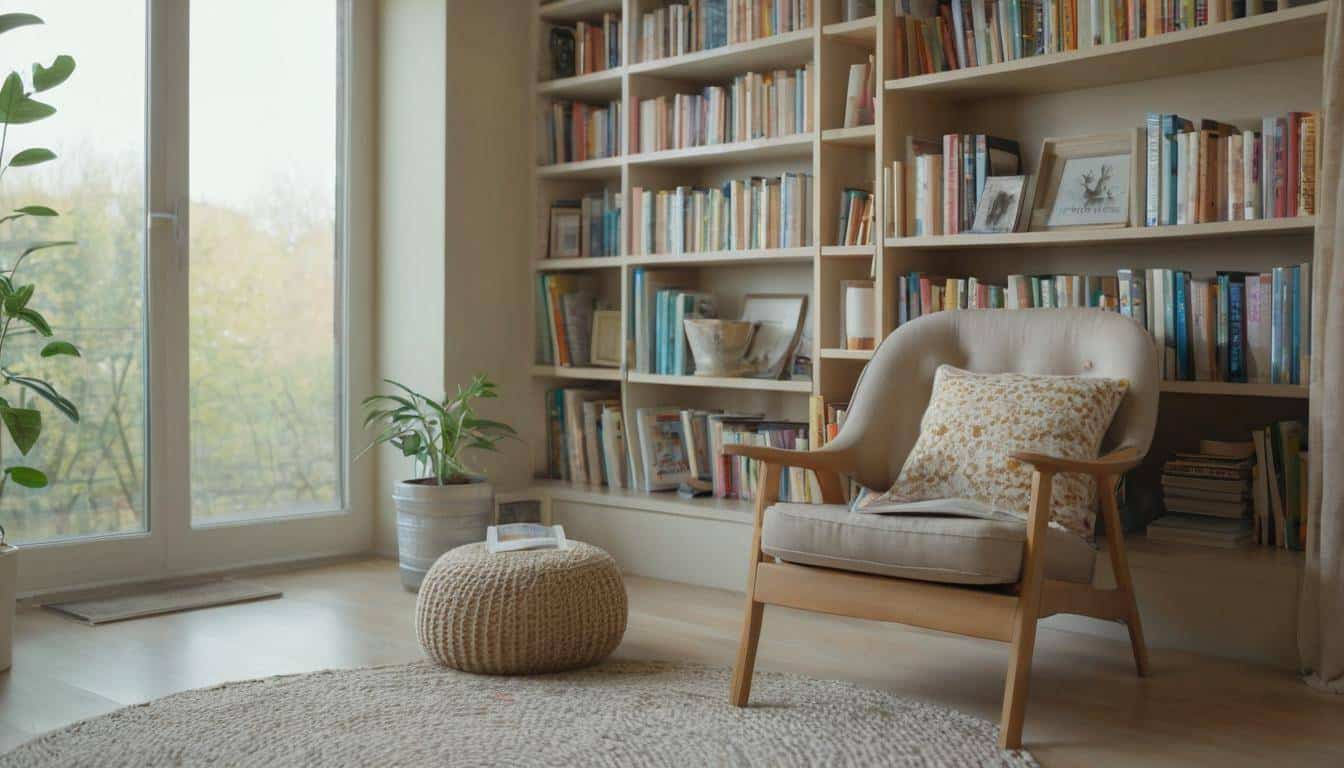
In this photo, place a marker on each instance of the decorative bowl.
(719, 346)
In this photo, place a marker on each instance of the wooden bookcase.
(1234, 70)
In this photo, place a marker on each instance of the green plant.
(436, 433)
(17, 316)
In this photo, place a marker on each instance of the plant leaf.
(411, 444)
(46, 392)
(24, 425)
(37, 210)
(27, 477)
(24, 110)
(32, 156)
(31, 317)
(44, 244)
(46, 78)
(10, 21)
(60, 348)
(18, 299)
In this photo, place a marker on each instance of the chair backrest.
(893, 391)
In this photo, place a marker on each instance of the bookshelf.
(1231, 70)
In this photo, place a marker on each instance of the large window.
(264, 399)
(221, 328)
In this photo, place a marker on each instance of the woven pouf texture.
(523, 612)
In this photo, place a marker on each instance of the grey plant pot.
(9, 583)
(432, 519)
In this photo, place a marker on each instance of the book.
(663, 448)
(575, 131)
(859, 97)
(676, 29)
(520, 536)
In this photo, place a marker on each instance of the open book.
(516, 536)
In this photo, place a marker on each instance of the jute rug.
(617, 714)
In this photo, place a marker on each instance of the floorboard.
(1087, 708)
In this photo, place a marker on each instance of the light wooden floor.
(1087, 708)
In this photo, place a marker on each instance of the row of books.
(684, 448)
(597, 47)
(1236, 327)
(1222, 173)
(1236, 494)
(856, 217)
(576, 131)
(942, 35)
(587, 227)
(1116, 20)
(949, 176)
(585, 437)
(671, 308)
(697, 25)
(753, 106)
(565, 306)
(750, 213)
(861, 94)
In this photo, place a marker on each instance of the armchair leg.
(746, 653)
(1124, 582)
(1028, 613)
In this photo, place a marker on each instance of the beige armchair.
(982, 578)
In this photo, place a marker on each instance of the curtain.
(1321, 616)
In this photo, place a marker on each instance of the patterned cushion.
(974, 423)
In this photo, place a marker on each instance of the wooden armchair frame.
(1009, 616)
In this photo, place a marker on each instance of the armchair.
(988, 579)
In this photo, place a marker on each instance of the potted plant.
(446, 504)
(17, 315)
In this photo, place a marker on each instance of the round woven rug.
(617, 714)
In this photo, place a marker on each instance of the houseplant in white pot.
(446, 504)
(17, 315)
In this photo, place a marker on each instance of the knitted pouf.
(521, 612)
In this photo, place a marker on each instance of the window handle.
(173, 217)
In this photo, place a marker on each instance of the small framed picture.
(780, 318)
(606, 346)
(1000, 205)
(1088, 182)
(566, 229)
(520, 507)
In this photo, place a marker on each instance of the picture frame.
(521, 507)
(779, 318)
(566, 233)
(1088, 182)
(999, 207)
(606, 344)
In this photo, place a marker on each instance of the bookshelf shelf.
(584, 373)
(833, 353)
(1286, 34)
(859, 32)
(573, 10)
(795, 146)
(1296, 391)
(712, 258)
(779, 51)
(665, 502)
(565, 265)
(595, 85)
(1299, 225)
(860, 136)
(722, 382)
(601, 168)
(848, 251)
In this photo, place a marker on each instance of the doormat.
(161, 601)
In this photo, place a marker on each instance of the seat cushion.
(943, 548)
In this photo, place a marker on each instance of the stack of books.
(736, 477)
(565, 306)
(1223, 173)
(663, 323)
(942, 35)
(753, 106)
(949, 176)
(856, 218)
(599, 225)
(597, 47)
(860, 94)
(742, 214)
(576, 131)
(1207, 496)
(825, 418)
(1234, 327)
(697, 25)
(585, 437)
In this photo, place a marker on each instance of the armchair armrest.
(820, 461)
(1113, 463)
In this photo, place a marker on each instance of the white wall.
(453, 169)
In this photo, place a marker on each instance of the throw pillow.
(974, 423)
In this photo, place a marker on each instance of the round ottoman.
(521, 612)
